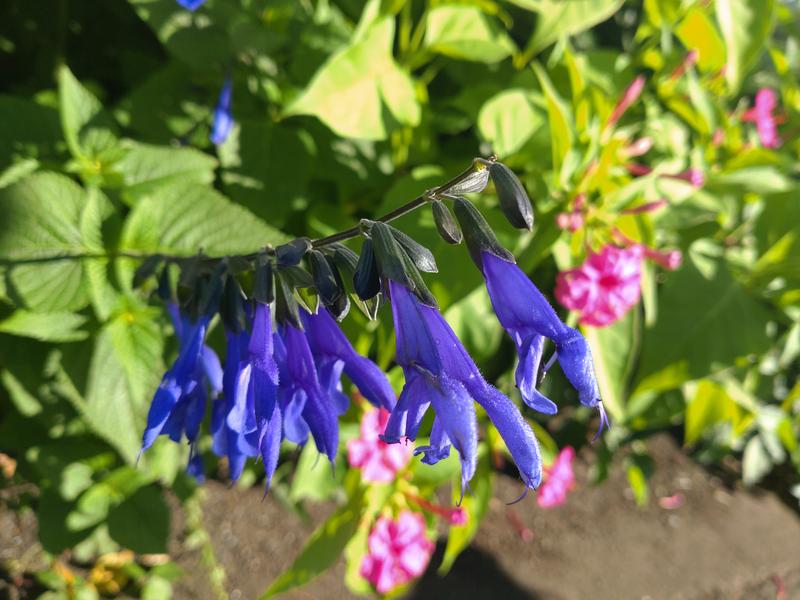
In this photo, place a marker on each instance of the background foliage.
(346, 110)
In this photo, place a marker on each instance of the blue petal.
(191, 4)
(575, 359)
(456, 411)
(517, 302)
(195, 468)
(439, 447)
(513, 428)
(326, 339)
(269, 443)
(295, 429)
(527, 374)
(330, 377)
(212, 370)
(164, 401)
(260, 346)
(318, 413)
(407, 415)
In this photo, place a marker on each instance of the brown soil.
(720, 544)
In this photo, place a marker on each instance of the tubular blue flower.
(303, 395)
(192, 5)
(264, 388)
(439, 371)
(528, 317)
(233, 422)
(333, 354)
(179, 403)
(223, 117)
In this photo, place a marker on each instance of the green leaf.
(465, 32)
(637, 479)
(356, 88)
(697, 32)
(101, 293)
(709, 406)
(706, 321)
(560, 18)
(156, 588)
(612, 351)
(41, 217)
(46, 327)
(476, 505)
(508, 120)
(29, 134)
(87, 129)
(123, 373)
(145, 167)
(182, 218)
(746, 25)
(141, 522)
(322, 549)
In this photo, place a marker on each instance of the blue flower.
(264, 379)
(191, 4)
(233, 422)
(179, 404)
(304, 402)
(223, 117)
(333, 354)
(439, 371)
(528, 318)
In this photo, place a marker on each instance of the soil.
(722, 542)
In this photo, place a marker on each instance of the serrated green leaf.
(182, 218)
(146, 167)
(46, 327)
(41, 216)
(465, 32)
(123, 373)
(354, 89)
(87, 129)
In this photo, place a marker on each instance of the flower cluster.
(275, 385)
(379, 462)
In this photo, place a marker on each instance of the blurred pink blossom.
(672, 502)
(559, 479)
(604, 287)
(646, 208)
(761, 115)
(694, 176)
(398, 551)
(379, 462)
(457, 516)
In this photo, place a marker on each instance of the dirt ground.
(721, 543)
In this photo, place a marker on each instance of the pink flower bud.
(639, 147)
(670, 260)
(630, 96)
(638, 170)
(457, 516)
(646, 208)
(687, 63)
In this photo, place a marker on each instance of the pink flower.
(559, 479)
(379, 462)
(398, 551)
(631, 94)
(761, 115)
(604, 287)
